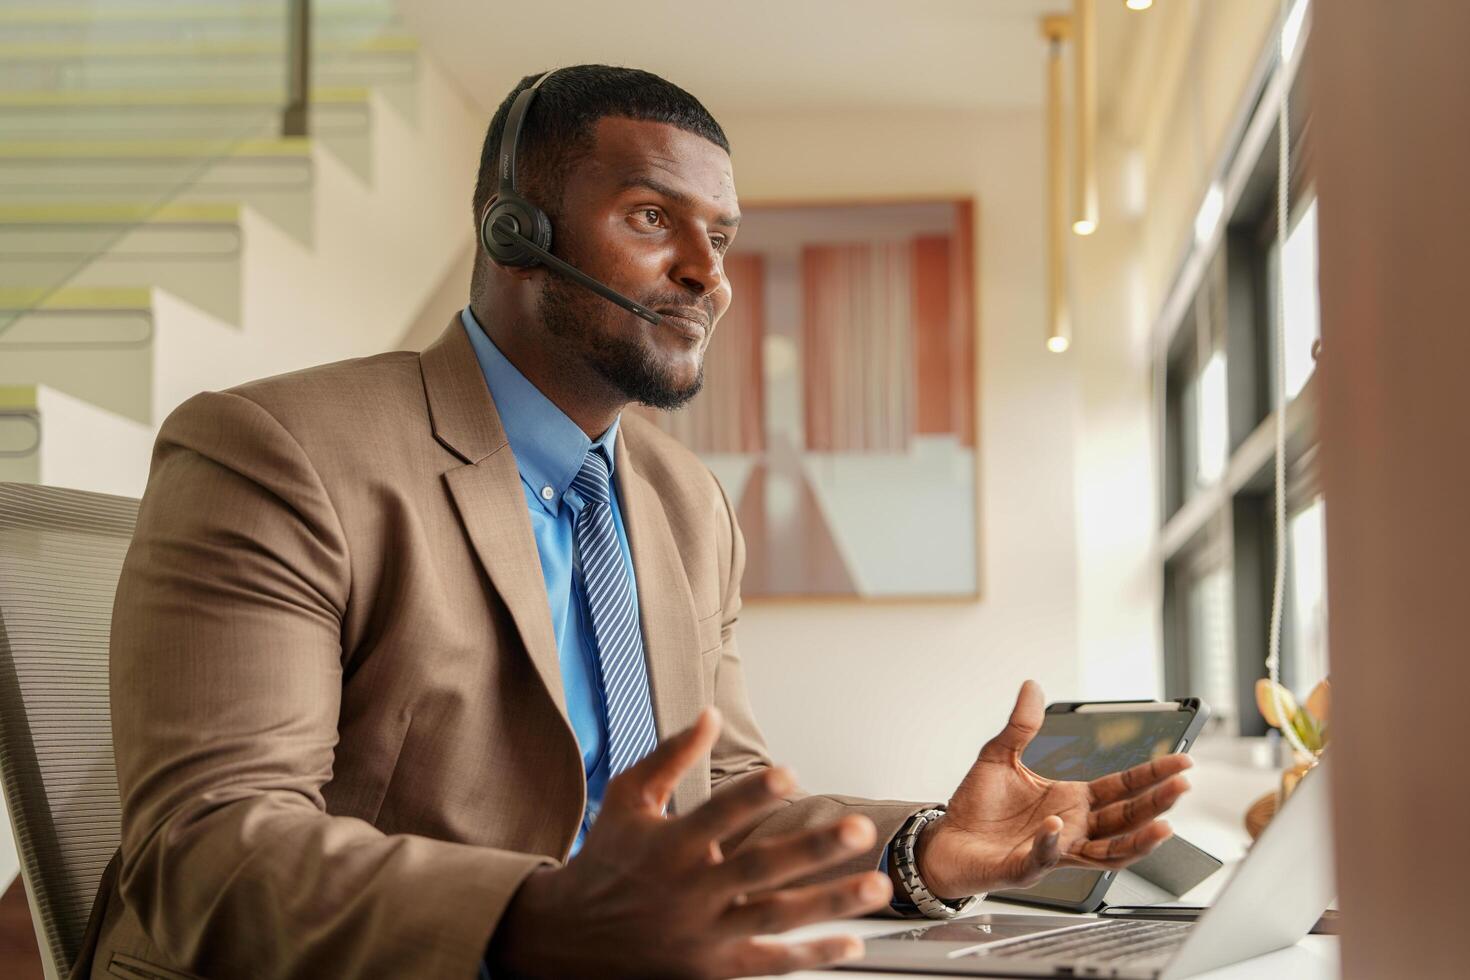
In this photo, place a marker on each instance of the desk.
(1227, 776)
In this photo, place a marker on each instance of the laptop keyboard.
(1106, 945)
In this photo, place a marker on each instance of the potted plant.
(1308, 722)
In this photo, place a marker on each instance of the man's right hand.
(651, 896)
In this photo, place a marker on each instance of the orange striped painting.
(839, 405)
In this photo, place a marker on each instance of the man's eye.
(652, 211)
(720, 244)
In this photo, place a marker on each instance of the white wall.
(1116, 472)
(894, 699)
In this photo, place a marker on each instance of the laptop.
(1274, 897)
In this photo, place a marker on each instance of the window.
(1304, 623)
(1198, 378)
(1211, 665)
(1303, 326)
(1219, 415)
(1208, 395)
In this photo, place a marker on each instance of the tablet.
(1084, 740)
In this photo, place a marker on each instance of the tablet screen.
(1084, 746)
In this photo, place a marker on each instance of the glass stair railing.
(132, 132)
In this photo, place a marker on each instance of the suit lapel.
(666, 612)
(488, 498)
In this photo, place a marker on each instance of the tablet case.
(1166, 875)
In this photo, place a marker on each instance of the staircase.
(158, 236)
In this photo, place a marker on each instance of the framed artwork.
(839, 405)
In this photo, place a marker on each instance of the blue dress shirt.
(549, 449)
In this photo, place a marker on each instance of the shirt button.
(547, 493)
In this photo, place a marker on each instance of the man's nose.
(700, 268)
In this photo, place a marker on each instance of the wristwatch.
(919, 895)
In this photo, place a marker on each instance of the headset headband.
(512, 136)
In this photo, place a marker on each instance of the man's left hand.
(1006, 827)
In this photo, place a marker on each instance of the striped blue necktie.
(630, 730)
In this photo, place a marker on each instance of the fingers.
(792, 907)
(1130, 782)
(756, 958)
(1026, 718)
(648, 784)
(732, 810)
(1136, 811)
(1119, 852)
(1046, 851)
(1044, 854)
(772, 863)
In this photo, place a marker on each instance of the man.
(397, 637)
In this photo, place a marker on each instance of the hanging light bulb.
(1059, 325)
(1138, 4)
(1084, 71)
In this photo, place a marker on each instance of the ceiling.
(765, 55)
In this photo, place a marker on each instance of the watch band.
(930, 905)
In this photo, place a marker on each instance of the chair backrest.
(61, 552)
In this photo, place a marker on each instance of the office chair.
(61, 552)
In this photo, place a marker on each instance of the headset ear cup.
(527, 219)
(543, 228)
(505, 251)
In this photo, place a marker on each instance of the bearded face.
(623, 349)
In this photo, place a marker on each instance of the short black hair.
(561, 125)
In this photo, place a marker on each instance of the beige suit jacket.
(337, 708)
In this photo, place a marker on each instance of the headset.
(517, 233)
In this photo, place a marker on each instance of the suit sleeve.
(226, 681)
(741, 749)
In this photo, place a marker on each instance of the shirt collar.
(549, 447)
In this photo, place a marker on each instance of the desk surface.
(1226, 778)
